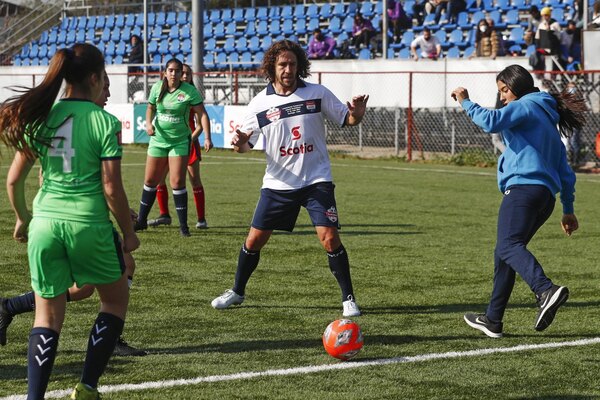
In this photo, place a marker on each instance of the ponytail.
(22, 116)
(571, 108)
(165, 83)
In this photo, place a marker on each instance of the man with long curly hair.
(289, 113)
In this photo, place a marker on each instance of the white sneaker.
(201, 224)
(350, 308)
(227, 299)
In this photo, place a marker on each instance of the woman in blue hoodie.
(530, 172)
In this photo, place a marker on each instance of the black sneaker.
(481, 322)
(549, 302)
(140, 225)
(163, 219)
(123, 349)
(5, 320)
(185, 231)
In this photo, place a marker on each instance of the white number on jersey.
(62, 145)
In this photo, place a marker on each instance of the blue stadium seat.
(171, 18)
(258, 57)
(33, 51)
(254, 44)
(312, 11)
(335, 25)
(115, 35)
(366, 9)
(52, 35)
(516, 36)
(299, 11)
(26, 62)
(24, 53)
(266, 42)
(43, 37)
(300, 27)
(17, 62)
(186, 46)
(157, 59)
(157, 33)
(250, 30)
(120, 49)
(152, 46)
(262, 14)
(441, 35)
(221, 61)
(100, 22)
(469, 51)
(109, 50)
(476, 17)
(183, 18)
(241, 44)
(274, 13)
(208, 30)
(497, 18)
(313, 24)
(453, 52)
(407, 38)
(348, 24)
(174, 46)
(504, 5)
(185, 32)
(404, 53)
(90, 35)
(520, 5)
(91, 22)
(530, 50)
(226, 15)
(229, 45)
(219, 31)
(512, 18)
(326, 11)
(238, 15)
(101, 46)
(130, 20)
(364, 54)
(288, 27)
(126, 34)
(214, 16)
(51, 50)
(109, 22)
(250, 14)
(139, 19)
(457, 39)
(119, 20)
(180, 57)
(246, 60)
(559, 15)
(117, 59)
(429, 22)
(515, 50)
(488, 5)
(463, 21)
(287, 12)
(339, 10)
(262, 29)
(209, 61)
(391, 54)
(205, 18)
(231, 29)
(234, 60)
(43, 61)
(275, 27)
(341, 38)
(163, 47)
(210, 45)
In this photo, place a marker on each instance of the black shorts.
(279, 209)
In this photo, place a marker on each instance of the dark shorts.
(278, 209)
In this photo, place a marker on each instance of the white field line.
(319, 368)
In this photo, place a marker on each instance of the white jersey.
(294, 129)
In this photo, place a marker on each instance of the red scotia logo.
(296, 133)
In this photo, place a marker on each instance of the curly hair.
(270, 58)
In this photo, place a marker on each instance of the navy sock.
(146, 203)
(340, 268)
(21, 304)
(43, 343)
(181, 199)
(103, 338)
(247, 263)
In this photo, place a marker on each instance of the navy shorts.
(279, 209)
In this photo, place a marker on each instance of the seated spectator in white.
(321, 47)
(429, 45)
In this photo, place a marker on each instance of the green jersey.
(171, 123)
(81, 136)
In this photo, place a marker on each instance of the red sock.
(200, 202)
(163, 199)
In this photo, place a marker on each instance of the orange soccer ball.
(343, 339)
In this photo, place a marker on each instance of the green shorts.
(159, 149)
(63, 252)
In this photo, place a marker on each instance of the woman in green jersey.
(70, 237)
(167, 123)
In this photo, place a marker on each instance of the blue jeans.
(523, 211)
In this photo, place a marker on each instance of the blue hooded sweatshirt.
(535, 154)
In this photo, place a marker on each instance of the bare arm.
(240, 141)
(357, 109)
(150, 111)
(117, 202)
(15, 186)
(203, 126)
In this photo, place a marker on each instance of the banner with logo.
(215, 115)
(124, 113)
(139, 118)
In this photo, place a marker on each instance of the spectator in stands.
(596, 16)
(453, 8)
(486, 41)
(533, 20)
(422, 8)
(440, 7)
(398, 20)
(578, 14)
(547, 38)
(321, 47)
(136, 54)
(429, 45)
(570, 43)
(501, 44)
(362, 31)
